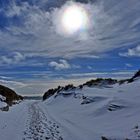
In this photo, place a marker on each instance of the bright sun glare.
(74, 19)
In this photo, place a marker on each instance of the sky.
(37, 53)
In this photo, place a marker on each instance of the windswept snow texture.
(92, 113)
(88, 114)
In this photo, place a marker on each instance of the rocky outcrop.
(130, 80)
(136, 75)
(99, 82)
(10, 95)
(123, 81)
(70, 87)
(57, 90)
(49, 93)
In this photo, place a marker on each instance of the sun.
(74, 19)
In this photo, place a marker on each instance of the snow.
(2, 97)
(86, 114)
(12, 122)
(2, 103)
(111, 112)
(27, 121)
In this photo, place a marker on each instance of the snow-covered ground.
(12, 122)
(87, 114)
(95, 112)
(2, 104)
(27, 121)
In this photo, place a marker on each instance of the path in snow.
(38, 127)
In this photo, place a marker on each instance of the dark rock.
(80, 86)
(69, 87)
(6, 108)
(123, 81)
(49, 93)
(58, 90)
(114, 107)
(100, 82)
(104, 138)
(136, 75)
(9, 94)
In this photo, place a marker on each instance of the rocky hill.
(10, 95)
(98, 83)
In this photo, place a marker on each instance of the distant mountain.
(98, 83)
(10, 95)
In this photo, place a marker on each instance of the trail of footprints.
(38, 127)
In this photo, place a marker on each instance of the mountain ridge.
(98, 82)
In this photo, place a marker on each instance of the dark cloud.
(85, 1)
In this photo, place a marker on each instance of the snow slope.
(27, 121)
(91, 113)
(88, 114)
(12, 122)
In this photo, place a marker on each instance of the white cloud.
(89, 67)
(14, 10)
(12, 84)
(41, 86)
(60, 65)
(5, 77)
(93, 75)
(129, 65)
(111, 29)
(15, 58)
(134, 52)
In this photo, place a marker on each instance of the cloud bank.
(13, 58)
(134, 52)
(36, 55)
(35, 32)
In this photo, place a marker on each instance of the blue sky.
(35, 56)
